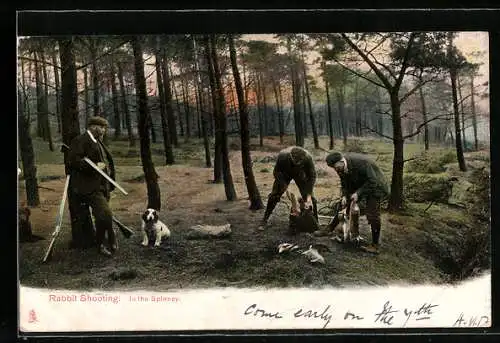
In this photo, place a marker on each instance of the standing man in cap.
(88, 186)
(363, 182)
(293, 163)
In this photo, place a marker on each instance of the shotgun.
(124, 229)
(58, 220)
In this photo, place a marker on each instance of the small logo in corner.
(32, 318)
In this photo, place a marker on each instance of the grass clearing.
(247, 258)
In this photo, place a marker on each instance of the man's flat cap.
(298, 155)
(96, 120)
(333, 158)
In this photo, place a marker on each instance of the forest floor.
(247, 258)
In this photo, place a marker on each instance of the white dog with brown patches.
(152, 226)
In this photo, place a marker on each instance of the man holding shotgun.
(89, 186)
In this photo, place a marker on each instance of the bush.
(462, 256)
(420, 187)
(431, 162)
(479, 156)
(479, 203)
(267, 159)
(355, 145)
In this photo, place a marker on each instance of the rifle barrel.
(58, 219)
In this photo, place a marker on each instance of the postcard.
(223, 181)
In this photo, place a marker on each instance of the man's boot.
(104, 251)
(113, 241)
(374, 247)
(271, 204)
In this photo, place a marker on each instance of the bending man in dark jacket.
(297, 164)
(88, 186)
(362, 182)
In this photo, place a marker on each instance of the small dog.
(153, 227)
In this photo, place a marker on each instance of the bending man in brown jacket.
(293, 163)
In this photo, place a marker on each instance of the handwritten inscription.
(314, 314)
(387, 315)
(255, 311)
(352, 316)
(471, 321)
(259, 312)
(424, 312)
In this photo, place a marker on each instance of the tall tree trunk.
(178, 104)
(86, 94)
(213, 87)
(114, 98)
(424, 115)
(357, 112)
(46, 119)
(211, 120)
(258, 92)
(203, 114)
(187, 111)
(69, 95)
(330, 117)
(279, 106)
(126, 111)
(234, 110)
(302, 98)
(265, 116)
(396, 196)
(95, 78)
(151, 127)
(299, 133)
(341, 105)
(198, 110)
(81, 220)
(456, 114)
(23, 83)
(299, 129)
(380, 121)
(462, 114)
(27, 153)
(473, 112)
(30, 71)
(168, 96)
(40, 129)
(222, 122)
(167, 142)
(245, 90)
(309, 102)
(57, 90)
(252, 189)
(154, 197)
